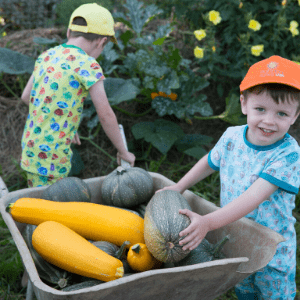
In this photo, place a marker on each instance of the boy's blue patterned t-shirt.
(240, 163)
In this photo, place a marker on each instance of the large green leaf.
(161, 134)
(191, 141)
(196, 152)
(15, 63)
(183, 107)
(233, 113)
(138, 15)
(119, 90)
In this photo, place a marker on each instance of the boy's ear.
(243, 104)
(101, 42)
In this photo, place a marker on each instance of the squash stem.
(220, 245)
(8, 207)
(136, 248)
(120, 252)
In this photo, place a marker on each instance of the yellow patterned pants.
(35, 180)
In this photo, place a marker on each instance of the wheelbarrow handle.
(3, 188)
(124, 164)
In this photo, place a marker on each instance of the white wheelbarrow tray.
(251, 247)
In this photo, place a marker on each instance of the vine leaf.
(161, 134)
(12, 62)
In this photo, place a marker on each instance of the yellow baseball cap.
(99, 20)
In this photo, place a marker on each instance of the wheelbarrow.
(250, 247)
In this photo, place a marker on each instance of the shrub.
(65, 8)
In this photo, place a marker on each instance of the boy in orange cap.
(259, 165)
(62, 78)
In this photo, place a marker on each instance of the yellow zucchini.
(92, 221)
(67, 250)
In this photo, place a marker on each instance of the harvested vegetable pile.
(73, 242)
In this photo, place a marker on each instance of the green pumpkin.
(127, 187)
(48, 272)
(115, 251)
(162, 225)
(203, 253)
(68, 189)
(82, 285)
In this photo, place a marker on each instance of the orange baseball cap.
(274, 69)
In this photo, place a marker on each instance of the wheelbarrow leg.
(29, 292)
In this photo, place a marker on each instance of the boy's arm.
(199, 171)
(27, 91)
(257, 193)
(108, 121)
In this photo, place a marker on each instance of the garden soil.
(13, 113)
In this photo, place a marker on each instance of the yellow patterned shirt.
(62, 78)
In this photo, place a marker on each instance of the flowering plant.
(239, 33)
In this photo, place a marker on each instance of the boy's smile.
(268, 122)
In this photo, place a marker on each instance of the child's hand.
(76, 139)
(195, 232)
(127, 156)
(172, 188)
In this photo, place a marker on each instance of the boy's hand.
(172, 188)
(76, 139)
(127, 156)
(195, 232)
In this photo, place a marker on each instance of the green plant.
(155, 65)
(163, 134)
(65, 8)
(162, 225)
(28, 13)
(236, 34)
(127, 187)
(11, 267)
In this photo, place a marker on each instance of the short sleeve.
(214, 156)
(284, 169)
(89, 73)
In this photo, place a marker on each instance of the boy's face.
(268, 121)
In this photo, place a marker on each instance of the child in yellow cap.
(62, 78)
(259, 165)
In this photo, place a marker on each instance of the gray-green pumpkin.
(162, 225)
(203, 253)
(68, 189)
(127, 187)
(115, 251)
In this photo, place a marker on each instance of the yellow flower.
(200, 34)
(241, 4)
(299, 2)
(198, 52)
(4, 33)
(254, 25)
(256, 50)
(293, 28)
(213, 48)
(283, 3)
(214, 16)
